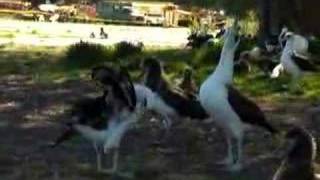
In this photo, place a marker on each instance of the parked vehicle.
(154, 19)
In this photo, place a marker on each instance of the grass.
(47, 65)
(7, 34)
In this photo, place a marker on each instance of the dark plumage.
(299, 161)
(247, 110)
(265, 60)
(181, 104)
(188, 85)
(220, 33)
(120, 82)
(87, 111)
(197, 40)
(304, 63)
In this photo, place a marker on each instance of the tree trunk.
(264, 7)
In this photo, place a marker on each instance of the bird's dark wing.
(303, 63)
(247, 110)
(92, 112)
(184, 106)
(128, 88)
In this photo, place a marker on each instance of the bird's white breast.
(214, 99)
(153, 100)
(156, 103)
(212, 95)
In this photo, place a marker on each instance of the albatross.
(105, 119)
(294, 59)
(170, 103)
(227, 107)
(300, 153)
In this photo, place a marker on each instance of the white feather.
(110, 137)
(277, 71)
(213, 97)
(153, 100)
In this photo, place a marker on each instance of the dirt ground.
(31, 116)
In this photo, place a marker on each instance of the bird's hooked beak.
(231, 36)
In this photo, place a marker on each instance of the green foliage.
(7, 35)
(249, 24)
(232, 7)
(207, 55)
(245, 44)
(58, 65)
(34, 32)
(238, 7)
(84, 54)
(314, 47)
(125, 49)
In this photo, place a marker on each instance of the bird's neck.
(289, 45)
(224, 71)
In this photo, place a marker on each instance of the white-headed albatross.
(228, 108)
(293, 58)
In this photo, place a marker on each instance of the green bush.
(314, 46)
(207, 55)
(85, 54)
(34, 32)
(245, 44)
(125, 49)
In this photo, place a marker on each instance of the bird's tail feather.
(67, 134)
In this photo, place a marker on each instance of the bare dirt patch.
(31, 116)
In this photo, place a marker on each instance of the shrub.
(314, 46)
(249, 24)
(85, 54)
(34, 32)
(207, 55)
(124, 49)
(246, 43)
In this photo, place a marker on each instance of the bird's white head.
(231, 38)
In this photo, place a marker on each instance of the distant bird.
(300, 155)
(197, 40)
(104, 120)
(92, 35)
(187, 85)
(103, 35)
(171, 103)
(228, 108)
(281, 37)
(293, 59)
(264, 60)
(272, 45)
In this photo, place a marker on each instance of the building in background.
(150, 13)
(14, 5)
